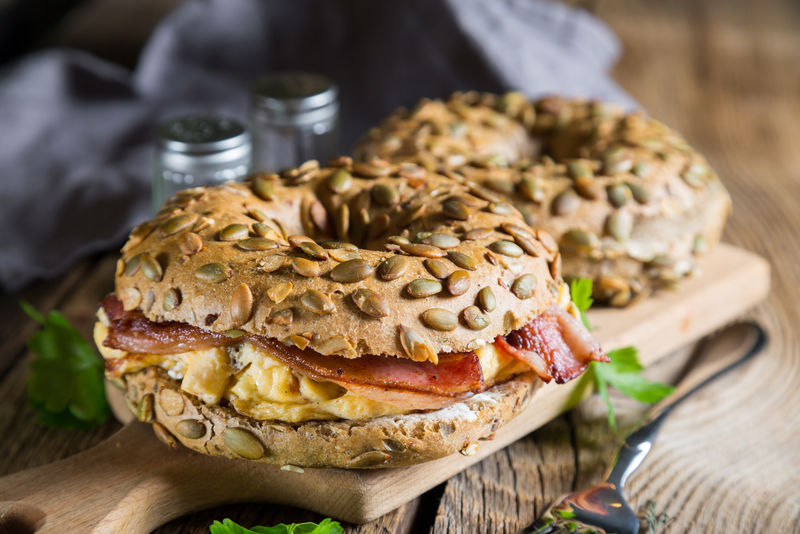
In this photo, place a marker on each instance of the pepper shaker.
(294, 118)
(198, 150)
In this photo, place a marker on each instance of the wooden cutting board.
(132, 483)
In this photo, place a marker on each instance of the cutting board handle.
(129, 483)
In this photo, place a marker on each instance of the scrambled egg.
(259, 386)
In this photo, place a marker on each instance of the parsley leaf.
(65, 385)
(326, 526)
(581, 292)
(622, 372)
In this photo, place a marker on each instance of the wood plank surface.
(726, 74)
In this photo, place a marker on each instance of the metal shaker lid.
(193, 142)
(295, 97)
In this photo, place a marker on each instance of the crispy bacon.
(415, 385)
(133, 332)
(554, 344)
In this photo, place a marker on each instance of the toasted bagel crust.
(629, 201)
(390, 441)
(191, 265)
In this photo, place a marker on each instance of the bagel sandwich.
(360, 315)
(630, 203)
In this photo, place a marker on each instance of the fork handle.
(718, 355)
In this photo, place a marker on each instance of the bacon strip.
(414, 385)
(555, 345)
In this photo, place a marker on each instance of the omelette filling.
(257, 384)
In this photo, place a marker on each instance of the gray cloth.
(77, 132)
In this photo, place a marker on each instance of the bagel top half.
(629, 201)
(377, 258)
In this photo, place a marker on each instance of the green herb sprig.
(623, 372)
(65, 385)
(326, 526)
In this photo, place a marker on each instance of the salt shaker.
(198, 150)
(294, 118)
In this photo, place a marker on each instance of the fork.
(602, 509)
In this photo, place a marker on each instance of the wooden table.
(726, 74)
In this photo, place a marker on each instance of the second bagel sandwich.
(360, 315)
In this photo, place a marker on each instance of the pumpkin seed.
(465, 261)
(313, 250)
(418, 249)
(416, 347)
(234, 232)
(373, 169)
(532, 188)
(338, 244)
(506, 248)
(640, 193)
(458, 283)
(190, 243)
(579, 169)
(243, 443)
(478, 233)
(642, 169)
(191, 429)
(455, 209)
(695, 174)
(398, 240)
(555, 267)
(263, 188)
(504, 187)
(500, 208)
(582, 238)
(438, 268)
(440, 319)
(617, 160)
(266, 231)
(443, 241)
(342, 221)
(340, 161)
(351, 271)
(618, 194)
(269, 264)
(524, 286)
(151, 268)
(172, 299)
(393, 267)
(343, 254)
(257, 244)
(385, 195)
(306, 268)
(233, 333)
(474, 318)
(620, 224)
(565, 202)
(370, 302)
(588, 188)
(369, 459)
(317, 302)
(144, 410)
(486, 299)
(176, 224)
(700, 244)
(279, 291)
(423, 287)
(213, 272)
(257, 214)
(281, 317)
(340, 181)
(133, 265)
(547, 240)
(202, 223)
(241, 305)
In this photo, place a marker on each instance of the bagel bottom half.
(388, 441)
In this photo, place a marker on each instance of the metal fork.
(602, 509)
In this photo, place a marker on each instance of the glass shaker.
(198, 150)
(294, 118)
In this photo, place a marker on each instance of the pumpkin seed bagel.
(630, 203)
(357, 315)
